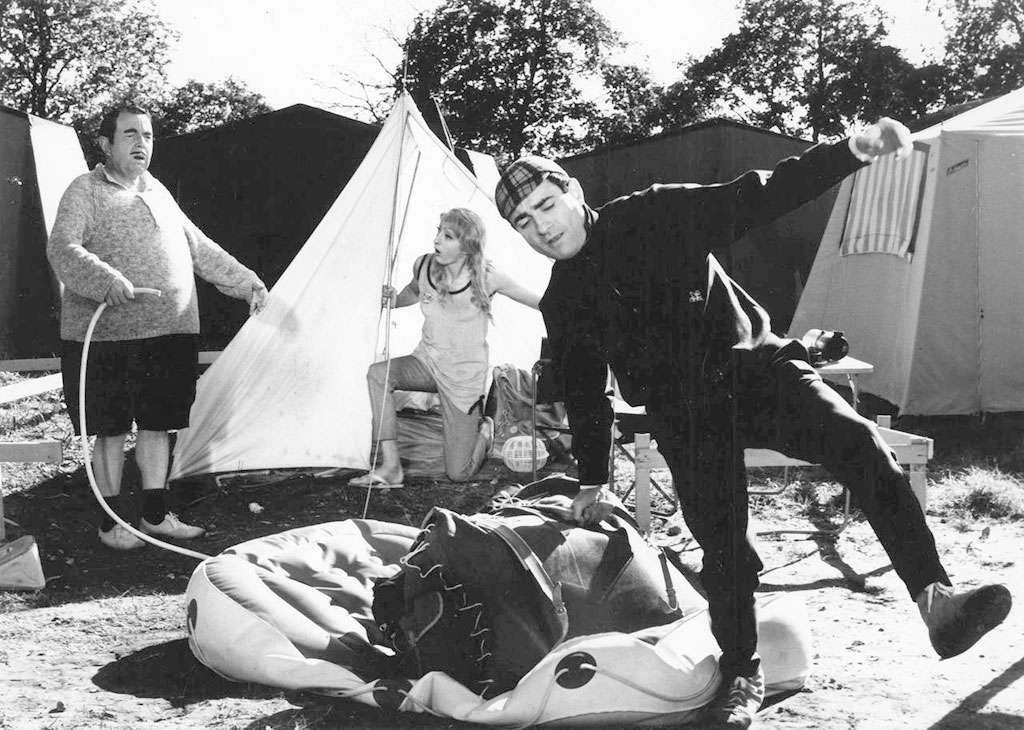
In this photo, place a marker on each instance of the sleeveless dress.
(453, 345)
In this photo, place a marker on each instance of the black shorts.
(151, 382)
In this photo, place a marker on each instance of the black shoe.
(957, 621)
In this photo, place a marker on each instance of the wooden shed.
(772, 262)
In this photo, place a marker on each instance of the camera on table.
(825, 346)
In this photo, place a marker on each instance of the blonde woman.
(454, 286)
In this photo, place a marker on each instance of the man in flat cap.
(634, 287)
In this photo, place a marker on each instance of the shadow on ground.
(170, 671)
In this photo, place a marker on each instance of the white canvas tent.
(922, 264)
(290, 388)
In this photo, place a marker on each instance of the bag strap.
(521, 549)
(548, 512)
(513, 391)
(545, 512)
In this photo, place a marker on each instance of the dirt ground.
(103, 645)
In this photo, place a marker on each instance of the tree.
(984, 50)
(803, 67)
(506, 73)
(629, 109)
(68, 59)
(198, 105)
(688, 102)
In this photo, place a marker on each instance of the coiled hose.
(86, 455)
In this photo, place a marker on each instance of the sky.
(294, 51)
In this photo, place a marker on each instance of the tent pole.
(444, 124)
(405, 213)
(392, 255)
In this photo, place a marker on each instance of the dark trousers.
(772, 398)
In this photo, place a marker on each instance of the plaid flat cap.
(519, 180)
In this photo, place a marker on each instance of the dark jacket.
(645, 297)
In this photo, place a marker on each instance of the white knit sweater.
(103, 228)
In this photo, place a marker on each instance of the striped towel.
(885, 208)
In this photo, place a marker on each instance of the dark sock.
(107, 523)
(154, 506)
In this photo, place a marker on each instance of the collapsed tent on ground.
(38, 160)
(921, 267)
(290, 389)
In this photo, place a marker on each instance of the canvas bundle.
(485, 597)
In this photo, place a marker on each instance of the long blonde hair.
(468, 227)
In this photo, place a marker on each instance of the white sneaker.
(956, 621)
(119, 538)
(736, 705)
(171, 526)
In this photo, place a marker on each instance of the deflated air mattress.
(294, 610)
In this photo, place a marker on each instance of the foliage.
(981, 491)
(689, 101)
(67, 59)
(984, 48)
(189, 108)
(803, 67)
(507, 74)
(198, 105)
(629, 109)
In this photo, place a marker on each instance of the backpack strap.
(511, 379)
(521, 549)
(557, 512)
(553, 511)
